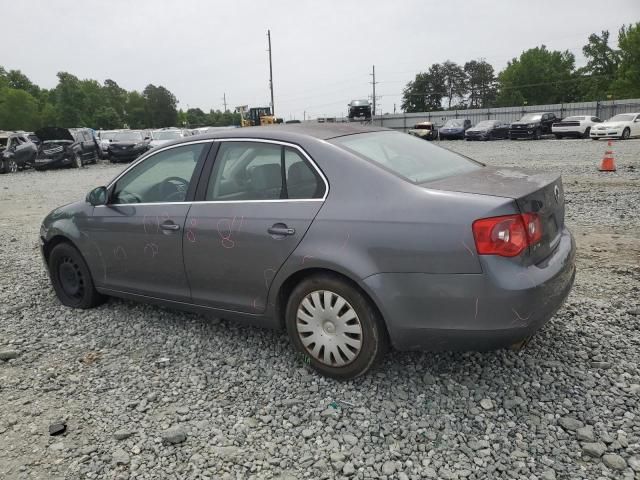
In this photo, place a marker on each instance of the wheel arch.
(287, 286)
(54, 241)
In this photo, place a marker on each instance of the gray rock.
(120, 457)
(570, 423)
(548, 475)
(350, 439)
(594, 449)
(8, 354)
(388, 467)
(486, 403)
(614, 461)
(585, 434)
(348, 469)
(307, 433)
(123, 434)
(174, 435)
(634, 463)
(57, 428)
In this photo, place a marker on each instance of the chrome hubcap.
(329, 328)
(13, 166)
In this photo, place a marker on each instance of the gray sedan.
(352, 238)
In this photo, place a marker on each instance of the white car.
(160, 137)
(623, 126)
(576, 126)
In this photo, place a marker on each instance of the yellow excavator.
(257, 116)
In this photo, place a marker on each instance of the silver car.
(352, 238)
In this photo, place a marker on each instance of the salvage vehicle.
(622, 126)
(127, 145)
(578, 126)
(424, 130)
(105, 137)
(160, 137)
(16, 151)
(454, 129)
(359, 110)
(352, 238)
(488, 130)
(65, 147)
(532, 125)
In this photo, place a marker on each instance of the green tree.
(18, 80)
(196, 117)
(539, 76)
(160, 106)
(18, 110)
(69, 101)
(425, 92)
(599, 73)
(115, 97)
(94, 100)
(455, 82)
(136, 115)
(627, 82)
(481, 83)
(107, 118)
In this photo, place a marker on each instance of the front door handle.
(281, 229)
(170, 226)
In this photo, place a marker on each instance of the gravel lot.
(150, 393)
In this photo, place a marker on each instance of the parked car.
(623, 126)
(488, 130)
(16, 151)
(424, 130)
(358, 110)
(65, 147)
(281, 227)
(532, 125)
(128, 145)
(105, 137)
(575, 126)
(454, 128)
(160, 137)
(33, 137)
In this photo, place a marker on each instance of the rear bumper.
(44, 163)
(474, 311)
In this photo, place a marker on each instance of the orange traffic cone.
(608, 163)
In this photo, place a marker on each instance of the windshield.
(128, 137)
(107, 135)
(531, 117)
(406, 156)
(627, 117)
(454, 124)
(166, 135)
(485, 124)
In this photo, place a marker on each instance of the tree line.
(87, 103)
(538, 76)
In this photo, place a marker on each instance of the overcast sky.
(322, 50)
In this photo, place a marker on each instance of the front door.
(138, 235)
(256, 206)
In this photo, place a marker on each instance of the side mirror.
(97, 196)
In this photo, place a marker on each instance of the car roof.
(323, 131)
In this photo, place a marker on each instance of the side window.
(255, 171)
(160, 178)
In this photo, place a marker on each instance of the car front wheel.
(335, 326)
(71, 278)
(9, 166)
(626, 133)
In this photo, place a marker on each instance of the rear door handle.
(281, 229)
(170, 226)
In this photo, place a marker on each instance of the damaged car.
(128, 145)
(16, 151)
(65, 147)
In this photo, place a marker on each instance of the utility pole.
(273, 108)
(373, 74)
(304, 116)
(224, 99)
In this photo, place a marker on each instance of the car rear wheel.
(335, 327)
(626, 133)
(71, 278)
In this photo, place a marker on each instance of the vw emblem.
(556, 193)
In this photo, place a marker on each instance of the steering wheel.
(173, 189)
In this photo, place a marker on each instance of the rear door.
(253, 209)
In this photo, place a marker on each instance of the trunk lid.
(532, 191)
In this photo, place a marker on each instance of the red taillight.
(508, 235)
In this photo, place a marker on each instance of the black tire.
(536, 134)
(558, 136)
(374, 341)
(626, 133)
(9, 165)
(77, 161)
(586, 132)
(71, 278)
